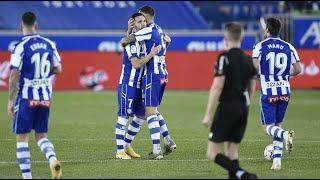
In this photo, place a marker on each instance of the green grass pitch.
(82, 131)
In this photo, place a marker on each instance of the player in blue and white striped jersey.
(154, 82)
(274, 58)
(130, 93)
(34, 61)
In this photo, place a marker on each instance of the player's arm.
(13, 89)
(167, 40)
(253, 80)
(141, 35)
(215, 90)
(130, 26)
(252, 87)
(295, 61)
(256, 55)
(57, 67)
(139, 62)
(15, 66)
(214, 94)
(256, 64)
(296, 69)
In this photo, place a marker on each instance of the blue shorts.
(129, 101)
(273, 109)
(153, 89)
(31, 114)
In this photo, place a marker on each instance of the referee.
(233, 86)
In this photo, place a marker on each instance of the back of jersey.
(276, 57)
(35, 56)
(153, 35)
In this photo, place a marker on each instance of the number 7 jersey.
(35, 57)
(275, 57)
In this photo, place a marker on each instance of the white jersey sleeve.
(17, 55)
(256, 53)
(144, 34)
(294, 55)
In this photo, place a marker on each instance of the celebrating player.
(129, 91)
(154, 82)
(274, 57)
(34, 61)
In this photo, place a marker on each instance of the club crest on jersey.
(133, 49)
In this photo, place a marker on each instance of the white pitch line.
(165, 160)
(188, 140)
(97, 139)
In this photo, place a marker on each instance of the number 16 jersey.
(35, 56)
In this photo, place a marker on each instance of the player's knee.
(22, 137)
(211, 155)
(39, 136)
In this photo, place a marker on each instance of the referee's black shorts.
(229, 123)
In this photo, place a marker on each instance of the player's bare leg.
(23, 155)
(48, 150)
(231, 151)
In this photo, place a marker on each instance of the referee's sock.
(230, 166)
(231, 175)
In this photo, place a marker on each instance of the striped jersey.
(275, 57)
(129, 74)
(153, 34)
(34, 56)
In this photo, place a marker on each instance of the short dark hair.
(136, 15)
(148, 10)
(234, 31)
(29, 18)
(274, 26)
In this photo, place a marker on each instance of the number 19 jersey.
(35, 56)
(275, 57)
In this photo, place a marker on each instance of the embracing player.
(154, 82)
(34, 61)
(129, 90)
(274, 58)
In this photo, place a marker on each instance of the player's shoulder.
(223, 56)
(19, 46)
(47, 40)
(286, 43)
(258, 45)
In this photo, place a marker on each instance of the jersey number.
(277, 60)
(42, 65)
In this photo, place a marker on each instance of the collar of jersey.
(273, 37)
(29, 36)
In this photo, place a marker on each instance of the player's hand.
(206, 121)
(10, 109)
(130, 24)
(166, 38)
(155, 49)
(122, 42)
